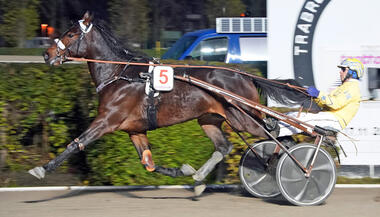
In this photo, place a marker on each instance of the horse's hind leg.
(212, 127)
(141, 143)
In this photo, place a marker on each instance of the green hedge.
(21, 51)
(38, 108)
(43, 108)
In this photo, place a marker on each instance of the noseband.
(61, 47)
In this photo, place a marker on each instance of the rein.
(300, 89)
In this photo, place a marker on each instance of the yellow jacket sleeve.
(337, 98)
(343, 102)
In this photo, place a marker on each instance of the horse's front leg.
(140, 140)
(98, 128)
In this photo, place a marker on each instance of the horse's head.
(72, 43)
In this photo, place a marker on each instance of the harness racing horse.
(124, 104)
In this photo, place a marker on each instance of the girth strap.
(151, 112)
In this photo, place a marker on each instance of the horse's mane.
(116, 46)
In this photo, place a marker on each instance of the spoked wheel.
(257, 177)
(295, 186)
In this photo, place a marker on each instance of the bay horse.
(124, 104)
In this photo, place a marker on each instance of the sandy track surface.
(180, 203)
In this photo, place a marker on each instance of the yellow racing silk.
(343, 102)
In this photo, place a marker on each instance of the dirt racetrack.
(178, 202)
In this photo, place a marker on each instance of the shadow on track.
(135, 194)
(67, 195)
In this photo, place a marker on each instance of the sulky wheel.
(295, 186)
(257, 178)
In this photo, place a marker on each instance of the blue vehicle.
(235, 40)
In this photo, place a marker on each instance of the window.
(373, 78)
(214, 49)
(179, 48)
(373, 83)
(253, 49)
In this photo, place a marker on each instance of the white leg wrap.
(187, 170)
(198, 190)
(38, 172)
(208, 166)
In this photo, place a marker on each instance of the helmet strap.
(348, 75)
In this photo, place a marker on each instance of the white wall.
(345, 28)
(282, 17)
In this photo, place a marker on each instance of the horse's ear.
(87, 18)
(56, 34)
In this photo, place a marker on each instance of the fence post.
(372, 171)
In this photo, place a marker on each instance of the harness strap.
(151, 111)
(115, 78)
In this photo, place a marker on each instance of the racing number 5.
(163, 78)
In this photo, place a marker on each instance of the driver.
(339, 106)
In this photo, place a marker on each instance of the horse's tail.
(286, 92)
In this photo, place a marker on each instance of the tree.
(256, 8)
(222, 8)
(61, 14)
(129, 20)
(20, 21)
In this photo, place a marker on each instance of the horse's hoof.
(38, 172)
(187, 170)
(198, 189)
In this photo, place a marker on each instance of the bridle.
(62, 49)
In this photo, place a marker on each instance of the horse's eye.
(71, 35)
